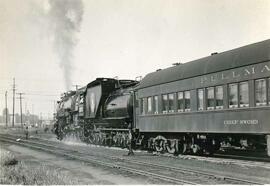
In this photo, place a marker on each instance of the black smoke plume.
(65, 17)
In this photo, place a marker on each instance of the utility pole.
(54, 107)
(6, 110)
(77, 86)
(25, 107)
(33, 116)
(13, 89)
(21, 107)
(40, 119)
(26, 113)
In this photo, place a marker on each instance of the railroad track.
(216, 155)
(240, 157)
(169, 174)
(85, 158)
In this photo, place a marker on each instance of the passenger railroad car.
(196, 106)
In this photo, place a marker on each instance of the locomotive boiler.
(108, 111)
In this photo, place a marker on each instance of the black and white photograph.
(134, 92)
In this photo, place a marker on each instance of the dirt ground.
(90, 174)
(81, 172)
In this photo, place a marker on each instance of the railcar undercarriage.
(173, 143)
(201, 144)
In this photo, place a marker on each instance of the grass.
(15, 172)
(7, 158)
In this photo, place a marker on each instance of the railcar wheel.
(90, 139)
(196, 149)
(159, 146)
(109, 140)
(118, 141)
(150, 144)
(127, 141)
(208, 149)
(160, 143)
(122, 140)
(103, 140)
(98, 139)
(182, 147)
(171, 146)
(114, 140)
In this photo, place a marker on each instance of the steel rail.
(216, 155)
(98, 162)
(178, 169)
(250, 158)
(185, 170)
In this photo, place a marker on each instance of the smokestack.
(65, 17)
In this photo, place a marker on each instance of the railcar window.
(171, 102)
(136, 100)
(260, 92)
(210, 98)
(180, 102)
(155, 100)
(164, 103)
(269, 91)
(243, 94)
(149, 105)
(200, 99)
(219, 97)
(233, 95)
(187, 100)
(143, 105)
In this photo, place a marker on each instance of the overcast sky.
(124, 38)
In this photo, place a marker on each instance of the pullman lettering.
(238, 73)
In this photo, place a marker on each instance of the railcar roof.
(246, 55)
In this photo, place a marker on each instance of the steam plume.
(65, 18)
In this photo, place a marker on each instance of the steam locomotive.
(196, 107)
(98, 113)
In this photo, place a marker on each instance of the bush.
(14, 172)
(7, 158)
